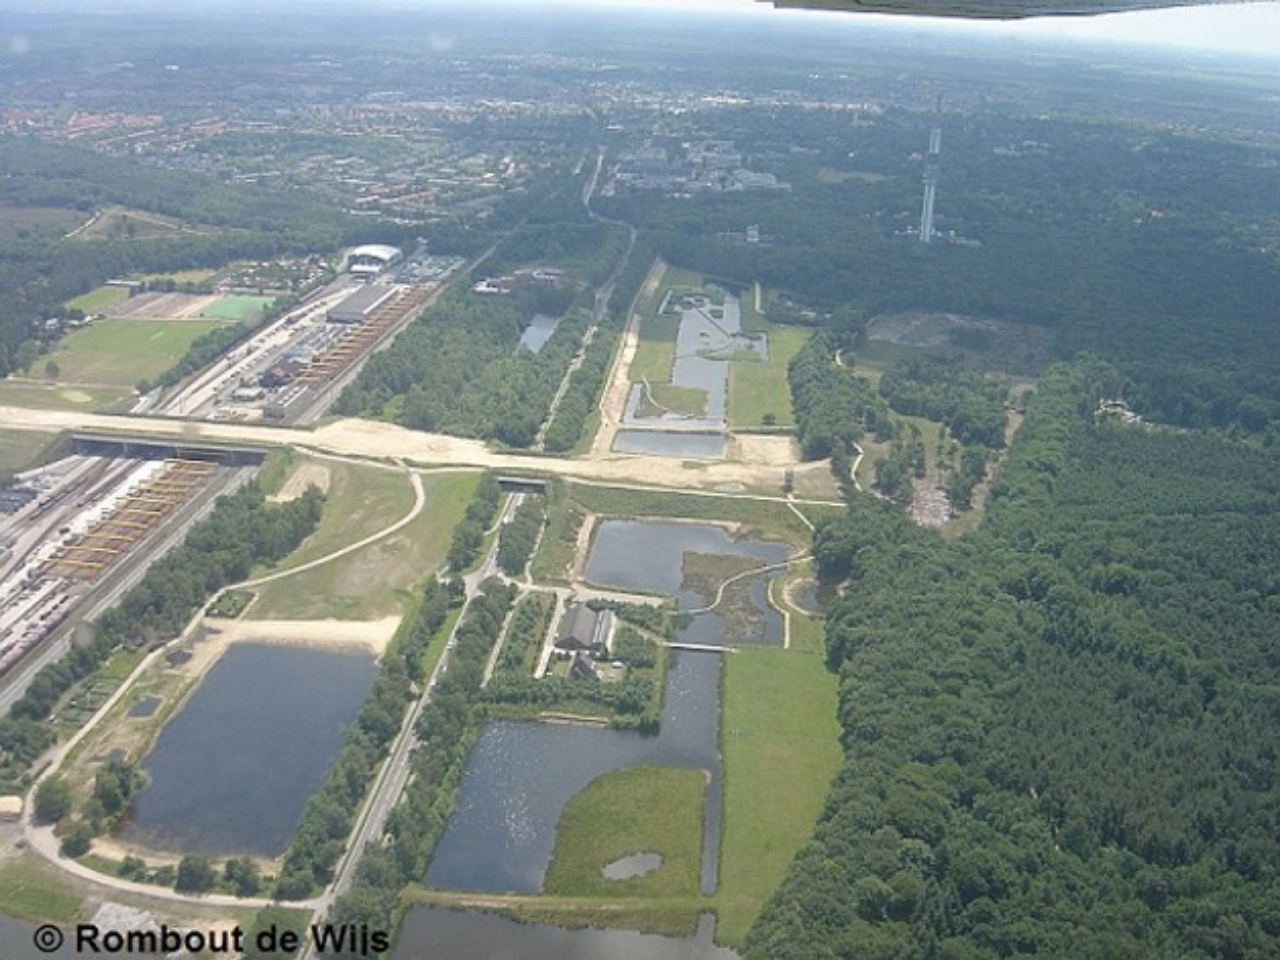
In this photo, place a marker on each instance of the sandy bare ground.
(162, 306)
(373, 635)
(307, 474)
(383, 441)
(929, 504)
(613, 402)
(774, 451)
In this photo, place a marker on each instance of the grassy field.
(634, 810)
(779, 740)
(51, 396)
(828, 175)
(23, 449)
(770, 518)
(759, 389)
(656, 351)
(687, 401)
(275, 469)
(33, 890)
(236, 307)
(554, 559)
(99, 299)
(378, 580)
(119, 353)
(121, 223)
(753, 321)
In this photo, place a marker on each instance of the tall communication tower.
(932, 165)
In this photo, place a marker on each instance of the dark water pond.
(144, 707)
(671, 443)
(233, 769)
(538, 333)
(520, 776)
(649, 555)
(452, 935)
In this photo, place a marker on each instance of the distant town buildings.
(702, 166)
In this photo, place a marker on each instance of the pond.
(537, 333)
(706, 338)
(454, 935)
(232, 771)
(145, 707)
(520, 775)
(654, 555)
(671, 443)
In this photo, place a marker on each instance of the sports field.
(119, 353)
(235, 308)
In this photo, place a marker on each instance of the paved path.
(419, 501)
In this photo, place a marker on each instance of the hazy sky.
(1245, 27)
(1249, 27)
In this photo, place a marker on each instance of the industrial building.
(372, 259)
(358, 307)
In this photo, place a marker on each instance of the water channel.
(452, 935)
(538, 332)
(232, 771)
(671, 443)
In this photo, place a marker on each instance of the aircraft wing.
(990, 9)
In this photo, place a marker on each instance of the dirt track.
(162, 306)
(304, 475)
(613, 403)
(383, 441)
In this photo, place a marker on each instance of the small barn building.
(582, 628)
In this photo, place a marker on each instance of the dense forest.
(1060, 732)
(1076, 227)
(457, 369)
(943, 389)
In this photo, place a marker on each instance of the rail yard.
(74, 523)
